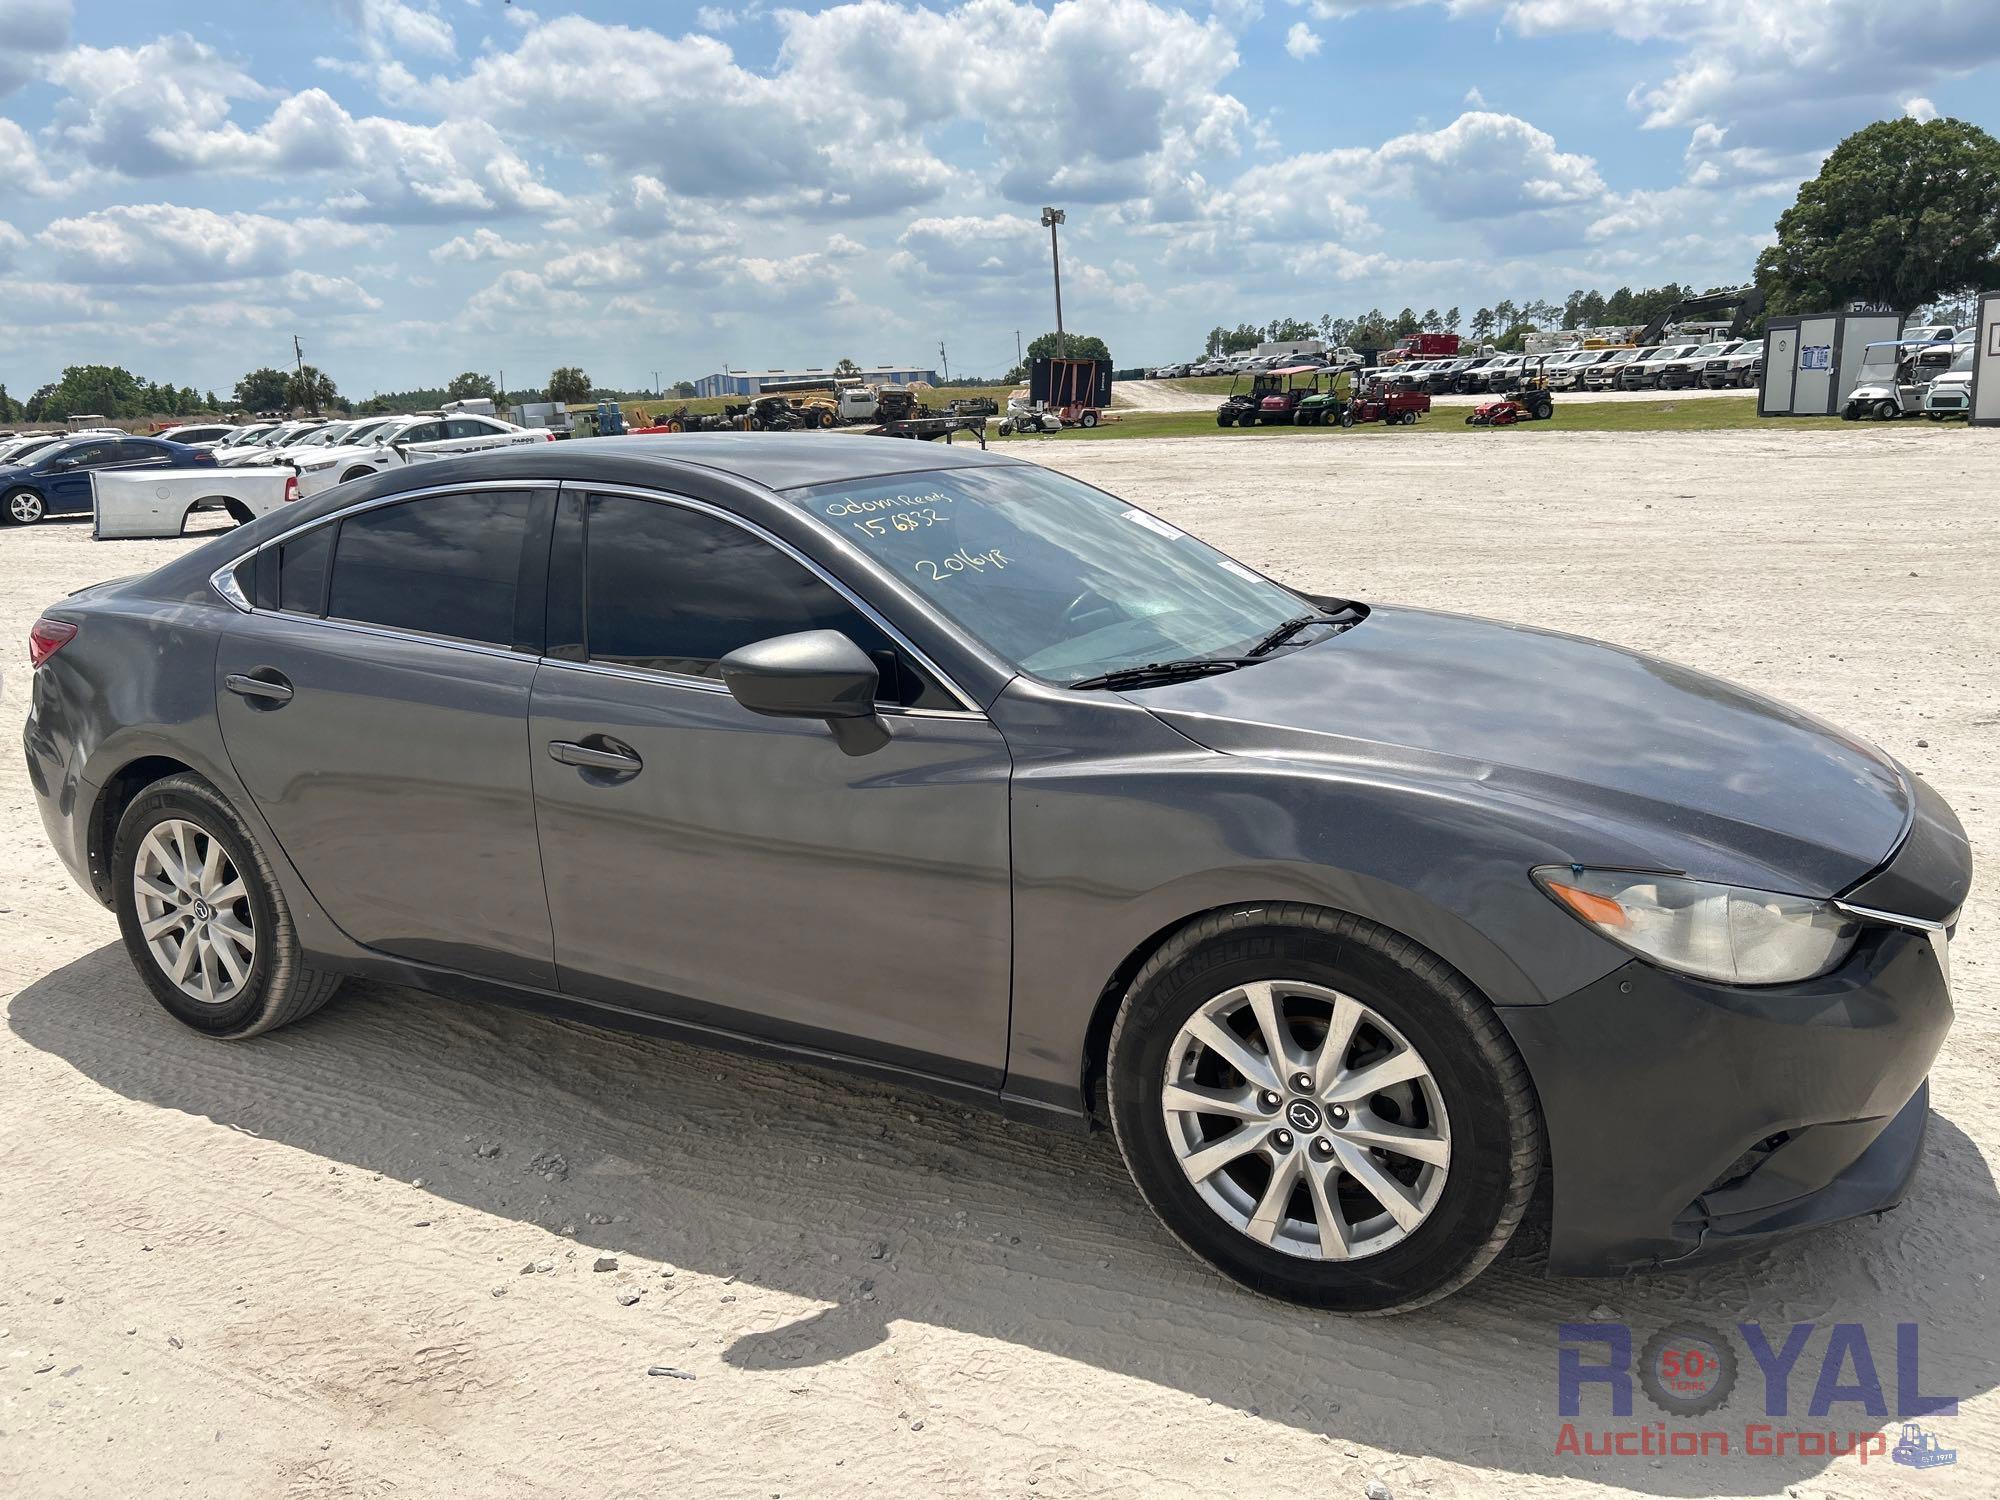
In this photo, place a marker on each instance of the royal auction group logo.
(1690, 1372)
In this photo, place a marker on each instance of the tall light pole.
(1050, 218)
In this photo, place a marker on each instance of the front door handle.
(269, 686)
(619, 762)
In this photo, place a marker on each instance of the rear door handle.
(270, 687)
(595, 757)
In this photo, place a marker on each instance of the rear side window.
(302, 571)
(444, 565)
(676, 590)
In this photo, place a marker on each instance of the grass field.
(1714, 415)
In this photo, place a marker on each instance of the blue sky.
(419, 187)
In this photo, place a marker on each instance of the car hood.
(1674, 768)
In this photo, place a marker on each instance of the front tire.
(204, 918)
(1404, 1142)
(23, 508)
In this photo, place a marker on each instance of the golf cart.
(1950, 394)
(1327, 404)
(1527, 399)
(1890, 383)
(1379, 401)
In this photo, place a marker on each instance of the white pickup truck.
(158, 502)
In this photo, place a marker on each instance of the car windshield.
(1057, 579)
(1963, 362)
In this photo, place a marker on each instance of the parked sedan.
(1349, 920)
(55, 481)
(411, 440)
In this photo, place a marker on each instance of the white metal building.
(749, 382)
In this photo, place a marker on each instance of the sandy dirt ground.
(359, 1256)
(1165, 395)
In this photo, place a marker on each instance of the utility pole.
(945, 360)
(299, 359)
(1050, 218)
(1018, 359)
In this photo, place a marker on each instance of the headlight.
(317, 465)
(1718, 932)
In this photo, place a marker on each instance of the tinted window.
(675, 590)
(445, 565)
(302, 571)
(133, 451)
(469, 427)
(423, 432)
(88, 455)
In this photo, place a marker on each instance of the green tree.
(569, 384)
(262, 390)
(10, 409)
(1902, 210)
(1451, 320)
(1432, 324)
(1482, 325)
(311, 388)
(470, 386)
(685, 388)
(846, 367)
(1075, 346)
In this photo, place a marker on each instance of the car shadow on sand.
(887, 1205)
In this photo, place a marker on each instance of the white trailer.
(158, 502)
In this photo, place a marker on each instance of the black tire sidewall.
(1431, 1260)
(219, 821)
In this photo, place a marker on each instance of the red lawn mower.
(1527, 400)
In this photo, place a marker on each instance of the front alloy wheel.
(1321, 1109)
(1306, 1120)
(24, 507)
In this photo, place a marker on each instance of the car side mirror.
(813, 674)
(65, 464)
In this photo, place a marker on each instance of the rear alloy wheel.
(24, 508)
(1322, 1111)
(203, 916)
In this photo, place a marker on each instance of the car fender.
(1114, 849)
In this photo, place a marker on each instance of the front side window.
(421, 432)
(1058, 579)
(87, 455)
(670, 589)
(444, 565)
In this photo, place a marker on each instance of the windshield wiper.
(1286, 630)
(1155, 672)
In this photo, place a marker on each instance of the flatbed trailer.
(930, 429)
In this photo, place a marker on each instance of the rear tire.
(1461, 1098)
(225, 901)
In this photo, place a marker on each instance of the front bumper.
(1688, 1119)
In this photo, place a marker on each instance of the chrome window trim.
(657, 677)
(865, 609)
(217, 579)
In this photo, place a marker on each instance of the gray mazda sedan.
(1355, 923)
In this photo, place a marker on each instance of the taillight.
(46, 637)
(291, 488)
(552, 436)
(202, 459)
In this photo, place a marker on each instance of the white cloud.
(165, 107)
(12, 243)
(481, 244)
(31, 31)
(1078, 99)
(393, 28)
(1920, 109)
(948, 249)
(516, 296)
(21, 164)
(167, 243)
(1302, 41)
(1474, 99)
